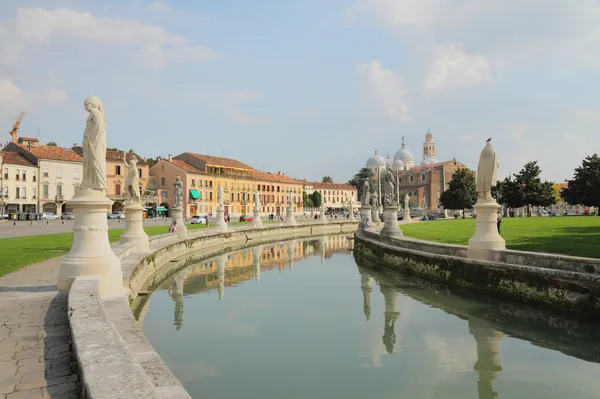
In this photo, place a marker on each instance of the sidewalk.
(35, 346)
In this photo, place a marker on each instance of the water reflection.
(487, 365)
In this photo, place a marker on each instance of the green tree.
(461, 192)
(356, 181)
(508, 193)
(51, 144)
(327, 179)
(316, 199)
(151, 161)
(113, 149)
(584, 188)
(308, 202)
(536, 192)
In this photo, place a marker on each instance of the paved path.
(35, 346)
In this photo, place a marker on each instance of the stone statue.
(257, 201)
(406, 201)
(94, 146)
(132, 185)
(220, 196)
(424, 203)
(486, 172)
(389, 189)
(365, 192)
(178, 192)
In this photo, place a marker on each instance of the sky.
(310, 87)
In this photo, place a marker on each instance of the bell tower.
(429, 146)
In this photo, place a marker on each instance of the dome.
(397, 165)
(388, 161)
(376, 161)
(428, 161)
(403, 154)
(429, 135)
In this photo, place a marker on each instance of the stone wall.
(115, 359)
(563, 289)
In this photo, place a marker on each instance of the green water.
(324, 327)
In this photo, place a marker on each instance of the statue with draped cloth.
(94, 146)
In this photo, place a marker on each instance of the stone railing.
(115, 359)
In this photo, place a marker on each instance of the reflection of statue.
(178, 192)
(365, 192)
(486, 172)
(132, 185)
(256, 200)
(220, 196)
(406, 201)
(94, 147)
(389, 189)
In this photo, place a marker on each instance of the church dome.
(403, 154)
(388, 161)
(376, 161)
(428, 161)
(397, 165)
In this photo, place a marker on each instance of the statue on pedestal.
(389, 189)
(178, 192)
(257, 201)
(94, 147)
(220, 196)
(365, 192)
(406, 201)
(486, 172)
(424, 203)
(132, 185)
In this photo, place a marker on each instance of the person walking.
(499, 222)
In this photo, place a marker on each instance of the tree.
(151, 161)
(113, 149)
(316, 199)
(536, 192)
(356, 181)
(327, 179)
(584, 188)
(461, 192)
(51, 144)
(509, 193)
(308, 202)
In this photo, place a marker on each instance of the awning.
(195, 194)
(161, 209)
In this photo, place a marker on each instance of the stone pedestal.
(134, 228)
(289, 216)
(365, 215)
(407, 218)
(375, 215)
(351, 215)
(322, 217)
(390, 224)
(220, 220)
(256, 219)
(486, 237)
(177, 216)
(91, 254)
(445, 213)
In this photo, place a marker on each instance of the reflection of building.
(487, 365)
(390, 296)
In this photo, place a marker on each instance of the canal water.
(304, 319)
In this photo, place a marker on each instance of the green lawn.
(18, 252)
(570, 235)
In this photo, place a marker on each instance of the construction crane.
(14, 133)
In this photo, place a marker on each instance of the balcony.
(44, 196)
(59, 198)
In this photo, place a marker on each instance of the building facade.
(18, 186)
(335, 195)
(116, 176)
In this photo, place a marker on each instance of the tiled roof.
(226, 162)
(186, 166)
(54, 153)
(13, 158)
(118, 155)
(332, 186)
(274, 177)
(561, 185)
(32, 139)
(435, 165)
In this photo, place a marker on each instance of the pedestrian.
(499, 222)
(173, 228)
(206, 219)
(228, 219)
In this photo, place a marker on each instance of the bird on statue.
(488, 140)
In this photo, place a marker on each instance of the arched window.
(423, 177)
(411, 179)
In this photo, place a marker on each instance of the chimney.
(170, 158)
(29, 145)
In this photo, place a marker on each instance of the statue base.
(390, 224)
(220, 223)
(134, 228)
(351, 217)
(486, 238)
(91, 254)
(289, 216)
(256, 219)
(375, 216)
(445, 213)
(322, 217)
(407, 218)
(365, 216)
(177, 216)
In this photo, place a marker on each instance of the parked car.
(198, 219)
(116, 215)
(49, 216)
(68, 216)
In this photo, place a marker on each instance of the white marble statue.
(365, 192)
(94, 147)
(424, 203)
(406, 201)
(220, 196)
(486, 172)
(256, 200)
(389, 189)
(132, 185)
(178, 192)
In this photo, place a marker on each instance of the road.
(26, 228)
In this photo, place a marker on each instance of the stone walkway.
(35, 345)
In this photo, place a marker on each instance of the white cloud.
(385, 89)
(37, 26)
(233, 103)
(12, 97)
(451, 67)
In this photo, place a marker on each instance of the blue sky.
(310, 87)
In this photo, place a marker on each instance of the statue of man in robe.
(132, 185)
(257, 201)
(365, 192)
(178, 192)
(220, 196)
(94, 146)
(406, 201)
(389, 189)
(486, 172)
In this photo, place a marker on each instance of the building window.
(45, 187)
(18, 191)
(59, 190)
(6, 173)
(152, 182)
(24, 175)
(17, 176)
(210, 197)
(117, 189)
(140, 172)
(45, 172)
(423, 177)
(232, 197)
(34, 193)
(411, 178)
(162, 168)
(225, 185)
(164, 194)
(59, 172)
(5, 194)
(76, 173)
(24, 192)
(162, 181)
(118, 170)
